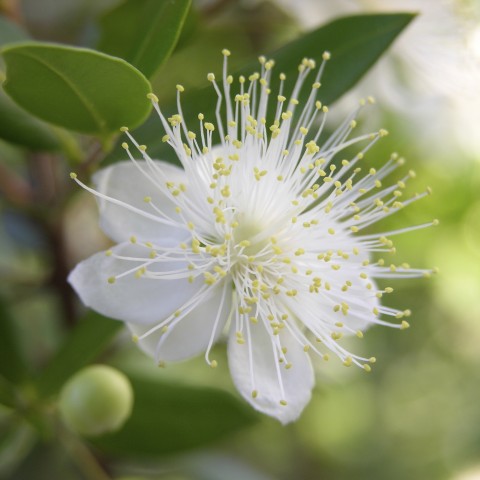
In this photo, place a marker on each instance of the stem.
(60, 272)
(98, 150)
(51, 194)
(83, 457)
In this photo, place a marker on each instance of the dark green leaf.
(19, 127)
(76, 88)
(355, 43)
(169, 417)
(143, 32)
(12, 364)
(85, 343)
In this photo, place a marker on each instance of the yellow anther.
(404, 325)
(150, 96)
(125, 145)
(348, 361)
(111, 280)
(73, 175)
(211, 77)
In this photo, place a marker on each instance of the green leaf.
(84, 344)
(143, 32)
(12, 364)
(76, 88)
(169, 417)
(19, 127)
(16, 125)
(355, 44)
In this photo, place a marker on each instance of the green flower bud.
(96, 400)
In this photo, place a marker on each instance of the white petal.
(125, 182)
(194, 333)
(297, 381)
(140, 300)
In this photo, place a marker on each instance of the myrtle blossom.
(261, 235)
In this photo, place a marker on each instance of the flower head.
(260, 234)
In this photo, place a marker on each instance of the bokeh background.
(417, 416)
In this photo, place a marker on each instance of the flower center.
(248, 236)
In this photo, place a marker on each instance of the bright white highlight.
(260, 234)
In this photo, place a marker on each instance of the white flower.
(260, 234)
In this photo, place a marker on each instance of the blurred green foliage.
(417, 416)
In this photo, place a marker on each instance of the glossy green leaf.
(169, 417)
(143, 32)
(355, 44)
(85, 343)
(16, 125)
(19, 127)
(76, 88)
